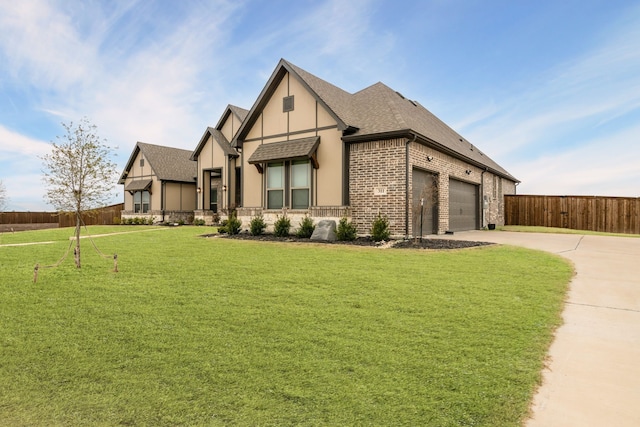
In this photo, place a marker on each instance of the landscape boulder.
(325, 231)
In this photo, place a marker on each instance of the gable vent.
(287, 103)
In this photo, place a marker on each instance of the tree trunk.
(76, 251)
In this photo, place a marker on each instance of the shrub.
(198, 222)
(306, 228)
(257, 225)
(137, 221)
(117, 220)
(151, 220)
(346, 230)
(216, 218)
(380, 229)
(281, 226)
(230, 226)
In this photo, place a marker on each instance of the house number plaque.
(379, 191)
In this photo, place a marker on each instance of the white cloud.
(605, 166)
(13, 143)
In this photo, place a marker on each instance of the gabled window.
(300, 178)
(275, 185)
(141, 201)
(289, 184)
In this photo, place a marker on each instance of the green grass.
(195, 331)
(556, 230)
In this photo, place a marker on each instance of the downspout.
(406, 186)
(482, 195)
(162, 190)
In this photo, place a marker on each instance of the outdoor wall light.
(199, 190)
(429, 158)
(468, 171)
(224, 188)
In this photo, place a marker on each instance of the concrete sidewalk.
(593, 376)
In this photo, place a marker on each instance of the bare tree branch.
(78, 173)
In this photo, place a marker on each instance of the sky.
(549, 89)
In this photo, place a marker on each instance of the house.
(307, 147)
(219, 178)
(159, 184)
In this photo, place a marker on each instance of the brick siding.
(381, 166)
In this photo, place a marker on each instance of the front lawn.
(195, 331)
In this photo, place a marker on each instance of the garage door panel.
(463, 206)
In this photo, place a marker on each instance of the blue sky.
(548, 89)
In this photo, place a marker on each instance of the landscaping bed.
(425, 243)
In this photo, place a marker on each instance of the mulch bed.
(426, 243)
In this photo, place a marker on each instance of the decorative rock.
(325, 231)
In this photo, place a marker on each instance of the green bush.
(346, 231)
(257, 225)
(199, 222)
(306, 228)
(117, 220)
(281, 226)
(151, 220)
(380, 229)
(230, 226)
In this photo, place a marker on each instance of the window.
(275, 185)
(238, 187)
(141, 201)
(213, 203)
(300, 184)
(290, 179)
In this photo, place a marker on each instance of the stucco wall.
(308, 118)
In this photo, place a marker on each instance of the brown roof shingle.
(168, 163)
(296, 148)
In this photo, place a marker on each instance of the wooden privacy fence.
(100, 216)
(594, 213)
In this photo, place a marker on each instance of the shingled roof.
(218, 136)
(373, 113)
(168, 163)
(304, 147)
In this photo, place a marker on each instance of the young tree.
(3, 197)
(78, 173)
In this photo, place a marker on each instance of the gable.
(159, 162)
(138, 167)
(304, 113)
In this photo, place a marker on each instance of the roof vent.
(415, 103)
(400, 95)
(287, 103)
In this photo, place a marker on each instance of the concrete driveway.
(593, 375)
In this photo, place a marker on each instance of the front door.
(213, 200)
